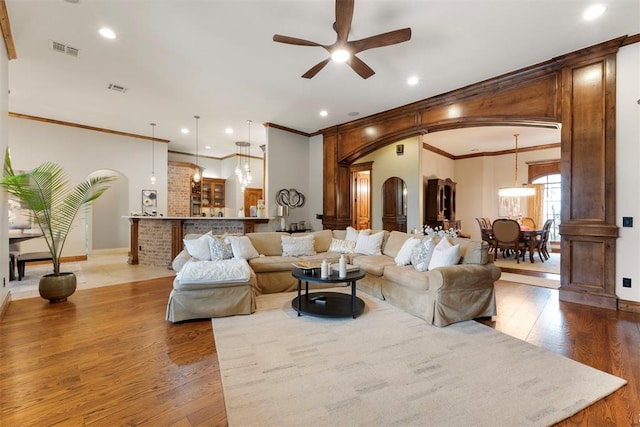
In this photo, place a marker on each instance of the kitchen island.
(156, 240)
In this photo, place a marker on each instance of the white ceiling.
(216, 58)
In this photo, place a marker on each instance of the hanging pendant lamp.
(196, 176)
(516, 191)
(153, 154)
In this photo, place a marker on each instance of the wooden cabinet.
(213, 190)
(440, 204)
(394, 205)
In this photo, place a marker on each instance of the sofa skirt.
(236, 298)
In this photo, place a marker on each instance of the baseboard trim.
(5, 305)
(630, 306)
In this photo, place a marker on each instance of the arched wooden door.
(394, 205)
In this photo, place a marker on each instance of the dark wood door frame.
(353, 171)
(577, 90)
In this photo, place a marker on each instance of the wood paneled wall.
(577, 90)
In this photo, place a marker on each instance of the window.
(551, 202)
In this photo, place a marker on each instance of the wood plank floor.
(107, 357)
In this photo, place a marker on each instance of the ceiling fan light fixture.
(340, 55)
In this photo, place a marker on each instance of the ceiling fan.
(344, 50)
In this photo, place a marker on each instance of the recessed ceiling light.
(107, 33)
(184, 131)
(594, 11)
(340, 55)
(228, 131)
(324, 113)
(207, 147)
(353, 114)
(413, 80)
(475, 150)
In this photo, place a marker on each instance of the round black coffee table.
(327, 304)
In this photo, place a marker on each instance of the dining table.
(530, 238)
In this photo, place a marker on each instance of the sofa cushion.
(322, 239)
(421, 254)
(404, 254)
(407, 276)
(242, 247)
(297, 246)
(272, 263)
(220, 248)
(327, 256)
(373, 264)
(342, 246)
(369, 244)
(199, 248)
(444, 254)
(394, 243)
(267, 243)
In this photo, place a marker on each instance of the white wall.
(4, 222)
(387, 164)
(316, 180)
(288, 157)
(81, 152)
(627, 173)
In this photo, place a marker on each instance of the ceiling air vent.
(63, 48)
(117, 88)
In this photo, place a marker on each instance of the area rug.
(390, 368)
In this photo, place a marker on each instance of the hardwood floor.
(107, 357)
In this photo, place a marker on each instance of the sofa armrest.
(180, 260)
(462, 277)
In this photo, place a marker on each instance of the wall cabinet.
(213, 190)
(440, 201)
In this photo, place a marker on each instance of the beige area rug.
(390, 368)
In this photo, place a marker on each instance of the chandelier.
(243, 164)
(196, 176)
(516, 191)
(153, 153)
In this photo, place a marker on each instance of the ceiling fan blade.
(315, 69)
(293, 40)
(344, 15)
(360, 67)
(381, 40)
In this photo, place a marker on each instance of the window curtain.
(536, 205)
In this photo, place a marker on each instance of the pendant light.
(516, 191)
(153, 153)
(243, 164)
(196, 176)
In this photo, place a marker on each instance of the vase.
(57, 288)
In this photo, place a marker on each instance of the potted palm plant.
(53, 205)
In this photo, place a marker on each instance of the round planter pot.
(57, 288)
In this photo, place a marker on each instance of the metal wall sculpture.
(291, 198)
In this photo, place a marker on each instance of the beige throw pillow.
(444, 254)
(298, 246)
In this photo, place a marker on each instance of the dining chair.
(546, 233)
(506, 233)
(528, 222)
(486, 233)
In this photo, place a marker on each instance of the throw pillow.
(444, 254)
(421, 254)
(220, 248)
(242, 247)
(342, 246)
(404, 254)
(298, 246)
(198, 248)
(352, 234)
(369, 244)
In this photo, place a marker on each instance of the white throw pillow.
(342, 246)
(242, 247)
(444, 254)
(199, 248)
(352, 234)
(421, 254)
(298, 246)
(404, 254)
(369, 244)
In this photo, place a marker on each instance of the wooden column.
(588, 224)
(336, 197)
(177, 234)
(133, 241)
